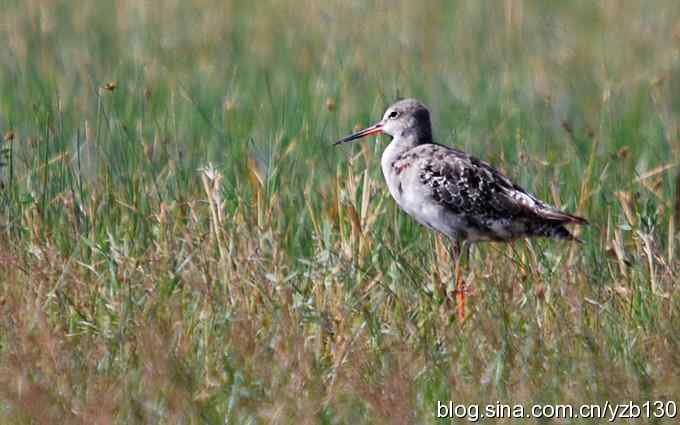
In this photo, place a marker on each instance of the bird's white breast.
(412, 196)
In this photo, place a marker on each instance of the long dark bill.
(377, 128)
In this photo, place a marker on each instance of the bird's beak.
(374, 129)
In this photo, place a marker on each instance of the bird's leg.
(459, 248)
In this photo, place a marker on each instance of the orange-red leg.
(460, 289)
(460, 296)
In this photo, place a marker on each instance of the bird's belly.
(457, 226)
(438, 218)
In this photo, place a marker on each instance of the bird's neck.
(412, 137)
(399, 146)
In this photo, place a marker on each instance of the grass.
(179, 243)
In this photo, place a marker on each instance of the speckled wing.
(471, 187)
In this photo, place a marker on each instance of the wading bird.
(454, 193)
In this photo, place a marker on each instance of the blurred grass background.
(179, 243)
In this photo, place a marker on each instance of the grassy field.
(180, 243)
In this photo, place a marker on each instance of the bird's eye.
(393, 115)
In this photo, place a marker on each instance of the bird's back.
(468, 199)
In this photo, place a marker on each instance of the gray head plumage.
(407, 119)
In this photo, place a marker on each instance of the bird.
(454, 193)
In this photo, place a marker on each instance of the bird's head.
(407, 119)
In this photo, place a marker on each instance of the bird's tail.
(561, 217)
(555, 221)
